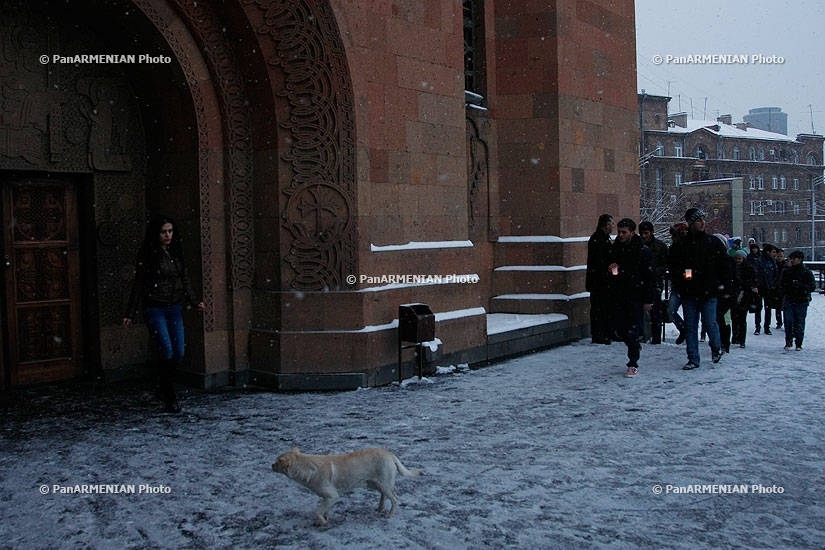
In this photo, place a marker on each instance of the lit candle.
(688, 274)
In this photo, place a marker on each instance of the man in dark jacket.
(632, 285)
(596, 281)
(767, 281)
(659, 251)
(797, 284)
(700, 274)
(743, 290)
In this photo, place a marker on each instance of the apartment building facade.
(782, 194)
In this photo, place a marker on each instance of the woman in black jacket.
(161, 284)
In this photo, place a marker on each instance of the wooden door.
(42, 269)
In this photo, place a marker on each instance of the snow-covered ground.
(552, 450)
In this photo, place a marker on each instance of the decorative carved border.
(208, 31)
(320, 211)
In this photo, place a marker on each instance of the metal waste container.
(416, 323)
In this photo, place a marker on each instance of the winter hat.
(741, 254)
(721, 238)
(693, 214)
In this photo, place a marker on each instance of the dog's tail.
(403, 471)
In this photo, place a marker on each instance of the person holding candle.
(632, 284)
(700, 273)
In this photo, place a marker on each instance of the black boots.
(166, 386)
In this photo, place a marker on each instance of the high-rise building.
(770, 119)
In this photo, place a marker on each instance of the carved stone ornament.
(319, 215)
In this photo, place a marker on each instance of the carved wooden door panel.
(43, 329)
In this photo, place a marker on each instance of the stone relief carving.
(109, 122)
(478, 175)
(319, 214)
(28, 105)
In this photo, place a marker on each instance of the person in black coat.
(700, 273)
(797, 284)
(659, 251)
(743, 294)
(596, 281)
(767, 278)
(632, 286)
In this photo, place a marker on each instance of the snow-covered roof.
(727, 130)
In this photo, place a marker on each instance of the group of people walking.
(712, 283)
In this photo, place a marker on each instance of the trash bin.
(416, 323)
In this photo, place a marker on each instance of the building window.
(796, 184)
(699, 152)
(795, 157)
(795, 208)
(677, 149)
(783, 182)
(720, 152)
(760, 181)
(811, 159)
(677, 178)
(774, 182)
(782, 207)
(474, 60)
(752, 153)
(798, 235)
(784, 235)
(660, 149)
(736, 153)
(808, 208)
(752, 180)
(761, 154)
(753, 208)
(776, 235)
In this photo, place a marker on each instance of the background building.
(782, 195)
(770, 119)
(308, 149)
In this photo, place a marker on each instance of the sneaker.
(798, 348)
(716, 355)
(788, 346)
(757, 331)
(631, 371)
(742, 345)
(681, 338)
(690, 366)
(768, 330)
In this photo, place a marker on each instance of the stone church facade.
(325, 164)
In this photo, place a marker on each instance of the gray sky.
(794, 31)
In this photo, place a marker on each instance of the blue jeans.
(693, 309)
(165, 326)
(795, 315)
(673, 310)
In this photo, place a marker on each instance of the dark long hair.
(151, 241)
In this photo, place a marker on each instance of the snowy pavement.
(552, 450)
